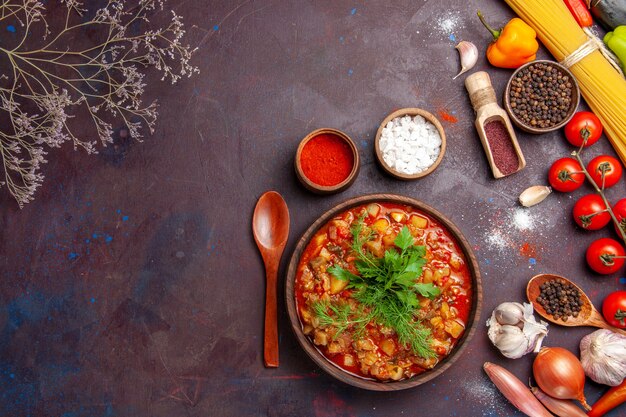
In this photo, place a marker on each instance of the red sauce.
(327, 160)
(446, 267)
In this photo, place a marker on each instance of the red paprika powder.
(326, 160)
(504, 155)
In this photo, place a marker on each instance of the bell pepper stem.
(494, 33)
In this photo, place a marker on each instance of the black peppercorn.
(560, 299)
(547, 91)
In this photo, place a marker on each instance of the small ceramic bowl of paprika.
(327, 161)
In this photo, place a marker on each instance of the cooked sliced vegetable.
(383, 291)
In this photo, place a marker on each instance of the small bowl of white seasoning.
(410, 143)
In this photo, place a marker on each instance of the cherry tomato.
(614, 309)
(612, 170)
(566, 175)
(619, 209)
(583, 124)
(605, 256)
(590, 212)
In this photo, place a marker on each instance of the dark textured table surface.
(132, 286)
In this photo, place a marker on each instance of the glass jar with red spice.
(327, 161)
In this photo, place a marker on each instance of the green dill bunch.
(386, 288)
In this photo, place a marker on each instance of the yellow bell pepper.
(514, 45)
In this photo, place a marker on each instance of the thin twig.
(40, 97)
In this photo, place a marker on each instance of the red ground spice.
(528, 250)
(447, 116)
(502, 149)
(326, 160)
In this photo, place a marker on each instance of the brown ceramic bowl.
(410, 111)
(575, 99)
(371, 384)
(321, 189)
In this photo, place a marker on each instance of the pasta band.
(602, 87)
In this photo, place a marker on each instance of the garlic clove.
(511, 341)
(509, 313)
(468, 54)
(533, 330)
(535, 333)
(534, 195)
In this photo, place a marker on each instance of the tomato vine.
(600, 191)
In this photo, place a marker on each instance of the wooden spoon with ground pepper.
(588, 315)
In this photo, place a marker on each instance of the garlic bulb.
(468, 54)
(514, 330)
(603, 355)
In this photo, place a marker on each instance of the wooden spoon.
(270, 226)
(588, 315)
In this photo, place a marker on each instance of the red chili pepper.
(578, 9)
(613, 397)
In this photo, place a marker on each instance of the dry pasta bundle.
(602, 87)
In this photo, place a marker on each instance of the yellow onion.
(559, 374)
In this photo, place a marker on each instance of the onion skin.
(560, 374)
(562, 408)
(515, 391)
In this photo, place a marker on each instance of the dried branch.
(46, 86)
